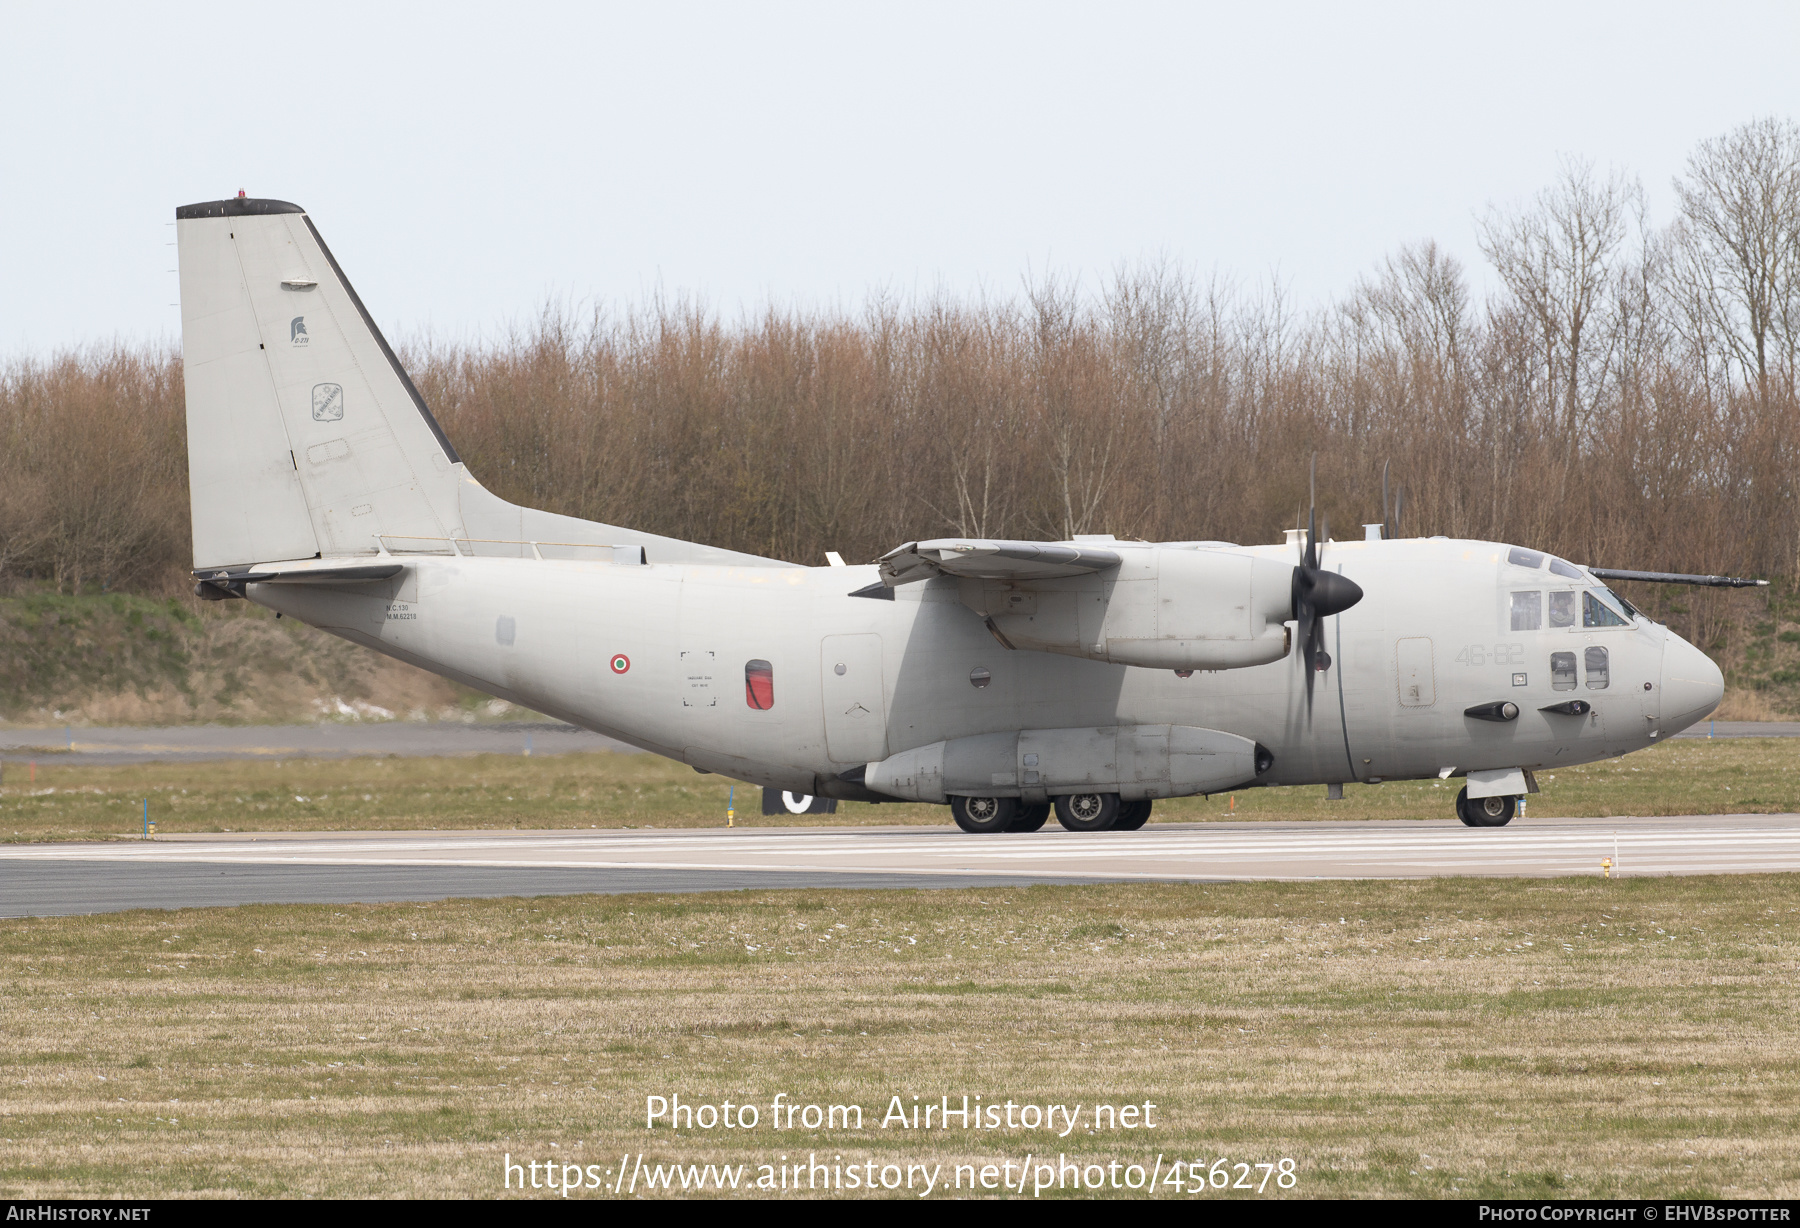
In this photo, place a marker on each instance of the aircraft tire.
(1485, 811)
(1031, 818)
(981, 816)
(1088, 811)
(1133, 815)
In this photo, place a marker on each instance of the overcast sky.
(465, 161)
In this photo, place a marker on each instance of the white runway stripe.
(1725, 844)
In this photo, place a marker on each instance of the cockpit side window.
(1566, 570)
(1527, 610)
(1562, 608)
(1598, 674)
(1562, 671)
(1596, 611)
(1520, 557)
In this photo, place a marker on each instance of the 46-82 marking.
(1492, 654)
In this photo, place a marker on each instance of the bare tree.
(1737, 246)
(1557, 259)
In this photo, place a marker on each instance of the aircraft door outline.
(1415, 672)
(854, 698)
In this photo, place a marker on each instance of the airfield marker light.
(1606, 864)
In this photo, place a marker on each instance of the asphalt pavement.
(341, 867)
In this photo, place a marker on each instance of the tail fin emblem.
(328, 402)
(297, 331)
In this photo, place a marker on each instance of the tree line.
(1626, 398)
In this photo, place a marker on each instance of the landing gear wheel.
(1485, 811)
(981, 815)
(1031, 818)
(1088, 811)
(1133, 815)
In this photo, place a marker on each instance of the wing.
(982, 559)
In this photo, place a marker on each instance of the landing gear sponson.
(1033, 770)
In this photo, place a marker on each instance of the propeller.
(1390, 523)
(1318, 594)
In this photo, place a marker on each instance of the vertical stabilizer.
(285, 371)
(305, 435)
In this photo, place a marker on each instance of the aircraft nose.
(1692, 685)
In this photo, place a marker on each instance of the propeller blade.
(1317, 594)
(1310, 560)
(1305, 620)
(1387, 525)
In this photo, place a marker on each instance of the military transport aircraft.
(1001, 677)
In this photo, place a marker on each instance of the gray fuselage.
(657, 655)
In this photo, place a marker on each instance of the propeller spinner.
(1318, 594)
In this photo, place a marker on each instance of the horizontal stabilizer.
(230, 581)
(357, 574)
(982, 559)
(1672, 577)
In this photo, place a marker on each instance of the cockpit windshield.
(1601, 608)
(1623, 604)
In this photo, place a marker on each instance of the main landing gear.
(1077, 812)
(1485, 811)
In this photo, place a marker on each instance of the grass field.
(1453, 1037)
(608, 790)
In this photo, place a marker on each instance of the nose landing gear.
(1485, 811)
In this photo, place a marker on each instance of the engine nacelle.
(1161, 608)
(1134, 761)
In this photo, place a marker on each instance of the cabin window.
(1524, 558)
(1562, 671)
(1596, 611)
(759, 685)
(1527, 610)
(1562, 608)
(1597, 673)
(1567, 571)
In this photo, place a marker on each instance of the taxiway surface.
(344, 867)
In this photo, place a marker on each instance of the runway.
(286, 867)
